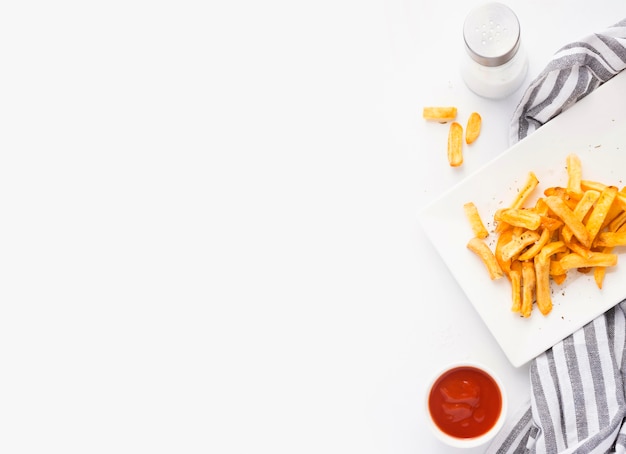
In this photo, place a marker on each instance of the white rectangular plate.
(594, 129)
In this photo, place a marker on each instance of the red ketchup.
(465, 402)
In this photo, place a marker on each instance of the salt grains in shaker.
(495, 63)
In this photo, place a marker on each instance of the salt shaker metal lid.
(492, 34)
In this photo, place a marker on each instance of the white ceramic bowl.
(480, 439)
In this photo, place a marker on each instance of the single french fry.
(585, 203)
(481, 249)
(621, 199)
(610, 239)
(597, 186)
(516, 286)
(524, 194)
(574, 174)
(528, 288)
(542, 290)
(599, 272)
(583, 207)
(529, 186)
(551, 224)
(578, 249)
(518, 243)
(476, 222)
(600, 210)
(472, 131)
(552, 248)
(441, 114)
(533, 250)
(559, 208)
(541, 208)
(616, 223)
(614, 212)
(519, 217)
(503, 239)
(574, 260)
(556, 269)
(586, 185)
(455, 144)
(570, 199)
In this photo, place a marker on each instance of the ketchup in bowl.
(466, 403)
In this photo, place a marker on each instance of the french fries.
(477, 224)
(515, 275)
(529, 281)
(530, 220)
(455, 133)
(531, 183)
(481, 249)
(572, 228)
(610, 239)
(455, 144)
(574, 174)
(542, 283)
(441, 114)
(566, 215)
(600, 211)
(472, 131)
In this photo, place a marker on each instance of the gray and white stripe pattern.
(578, 387)
(578, 394)
(575, 71)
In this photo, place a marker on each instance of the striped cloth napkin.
(578, 387)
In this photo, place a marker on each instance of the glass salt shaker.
(495, 63)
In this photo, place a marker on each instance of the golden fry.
(551, 224)
(621, 199)
(569, 219)
(586, 185)
(542, 290)
(600, 210)
(556, 269)
(476, 222)
(585, 203)
(574, 174)
(528, 288)
(610, 239)
(519, 218)
(515, 275)
(578, 249)
(531, 183)
(574, 260)
(481, 249)
(532, 251)
(570, 199)
(552, 248)
(503, 239)
(442, 114)
(473, 128)
(600, 271)
(518, 243)
(524, 193)
(455, 144)
(614, 212)
(617, 222)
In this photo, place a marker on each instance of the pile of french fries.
(455, 133)
(572, 228)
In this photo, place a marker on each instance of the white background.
(208, 217)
